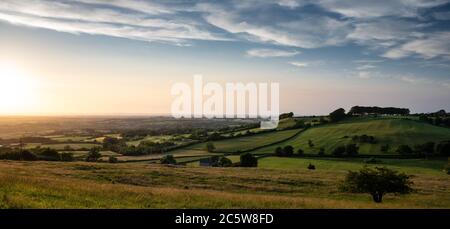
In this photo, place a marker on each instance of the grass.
(247, 142)
(139, 185)
(386, 131)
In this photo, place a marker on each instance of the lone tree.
(94, 154)
(210, 147)
(168, 160)
(377, 182)
(337, 115)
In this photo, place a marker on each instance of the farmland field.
(248, 142)
(386, 131)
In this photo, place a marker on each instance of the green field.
(247, 142)
(386, 131)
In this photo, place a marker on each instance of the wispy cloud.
(434, 45)
(300, 64)
(271, 53)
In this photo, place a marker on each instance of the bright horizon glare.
(121, 57)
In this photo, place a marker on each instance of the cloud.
(271, 53)
(366, 67)
(434, 45)
(300, 64)
(379, 8)
(82, 17)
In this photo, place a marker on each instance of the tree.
(248, 160)
(279, 152)
(377, 182)
(425, 149)
(210, 147)
(288, 151)
(112, 159)
(337, 115)
(404, 150)
(443, 148)
(94, 154)
(168, 160)
(338, 151)
(351, 149)
(310, 143)
(67, 157)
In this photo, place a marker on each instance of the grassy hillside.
(386, 131)
(247, 142)
(140, 185)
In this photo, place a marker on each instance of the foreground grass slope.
(390, 131)
(136, 185)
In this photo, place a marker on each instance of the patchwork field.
(386, 131)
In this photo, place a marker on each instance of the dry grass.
(94, 185)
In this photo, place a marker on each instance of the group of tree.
(337, 115)
(426, 149)
(248, 160)
(43, 154)
(347, 150)
(286, 115)
(361, 110)
(436, 119)
(287, 151)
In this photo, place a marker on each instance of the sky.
(64, 57)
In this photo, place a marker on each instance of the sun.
(16, 89)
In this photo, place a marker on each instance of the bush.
(112, 159)
(300, 152)
(93, 155)
(168, 160)
(372, 161)
(339, 151)
(225, 162)
(248, 160)
(67, 157)
(310, 144)
(311, 166)
(377, 182)
(404, 150)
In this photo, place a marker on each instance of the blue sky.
(326, 54)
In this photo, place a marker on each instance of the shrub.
(310, 143)
(248, 160)
(93, 155)
(377, 182)
(168, 160)
(404, 150)
(300, 152)
(112, 159)
(279, 152)
(311, 166)
(49, 154)
(210, 147)
(225, 162)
